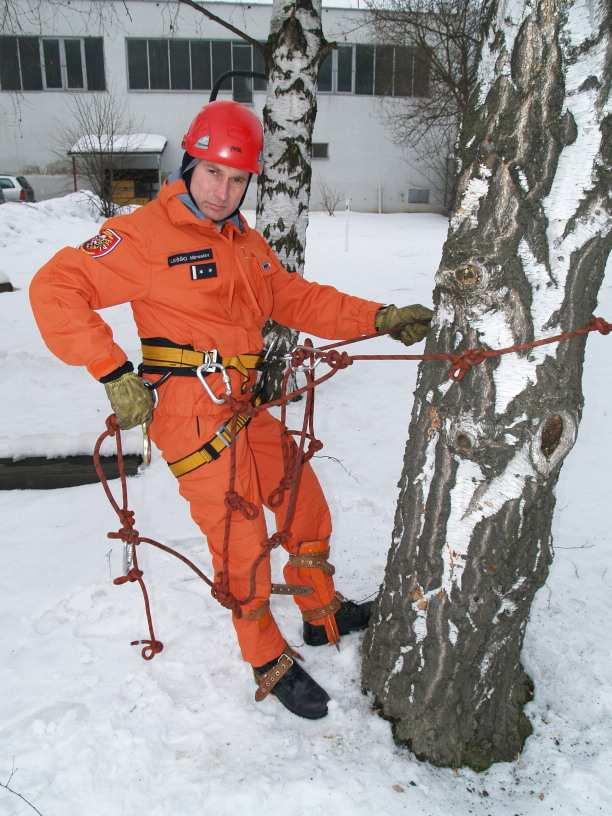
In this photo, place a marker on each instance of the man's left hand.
(408, 324)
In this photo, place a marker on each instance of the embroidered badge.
(203, 271)
(102, 243)
(190, 257)
(265, 265)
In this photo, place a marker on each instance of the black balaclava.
(188, 166)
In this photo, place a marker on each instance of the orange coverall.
(146, 258)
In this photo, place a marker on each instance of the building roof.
(141, 143)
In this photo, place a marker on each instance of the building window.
(324, 79)
(345, 69)
(380, 70)
(52, 63)
(193, 65)
(320, 150)
(416, 196)
(364, 69)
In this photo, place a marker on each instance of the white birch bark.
(295, 48)
(524, 258)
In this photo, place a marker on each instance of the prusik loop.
(462, 363)
(234, 501)
(221, 594)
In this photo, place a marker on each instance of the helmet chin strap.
(187, 167)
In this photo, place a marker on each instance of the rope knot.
(315, 446)
(298, 357)
(244, 407)
(112, 426)
(600, 325)
(277, 539)
(234, 501)
(132, 575)
(338, 359)
(462, 363)
(126, 517)
(225, 597)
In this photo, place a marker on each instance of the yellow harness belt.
(177, 357)
(210, 450)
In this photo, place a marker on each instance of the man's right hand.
(129, 397)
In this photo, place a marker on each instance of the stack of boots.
(351, 617)
(295, 689)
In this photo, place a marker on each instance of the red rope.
(294, 456)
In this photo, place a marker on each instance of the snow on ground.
(91, 728)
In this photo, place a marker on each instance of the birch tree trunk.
(524, 258)
(295, 48)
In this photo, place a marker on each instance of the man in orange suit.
(202, 284)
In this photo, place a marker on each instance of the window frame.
(63, 64)
(191, 90)
(413, 57)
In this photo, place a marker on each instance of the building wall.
(363, 163)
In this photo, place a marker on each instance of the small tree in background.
(330, 198)
(99, 133)
(438, 41)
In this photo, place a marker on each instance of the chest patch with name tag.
(190, 257)
(203, 271)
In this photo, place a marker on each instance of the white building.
(158, 60)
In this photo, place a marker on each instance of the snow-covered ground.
(89, 728)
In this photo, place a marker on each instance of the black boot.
(296, 689)
(351, 617)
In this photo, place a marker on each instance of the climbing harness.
(160, 355)
(305, 358)
(213, 448)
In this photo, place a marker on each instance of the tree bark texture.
(524, 258)
(295, 48)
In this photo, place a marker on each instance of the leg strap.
(312, 557)
(291, 589)
(315, 561)
(329, 609)
(269, 679)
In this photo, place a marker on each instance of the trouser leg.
(308, 544)
(204, 489)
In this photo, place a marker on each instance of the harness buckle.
(220, 431)
(211, 363)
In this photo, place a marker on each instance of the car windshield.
(24, 182)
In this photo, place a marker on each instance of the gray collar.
(191, 205)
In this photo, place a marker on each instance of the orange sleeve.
(315, 308)
(66, 292)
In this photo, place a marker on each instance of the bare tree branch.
(445, 36)
(242, 34)
(6, 785)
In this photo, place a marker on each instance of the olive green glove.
(130, 399)
(409, 324)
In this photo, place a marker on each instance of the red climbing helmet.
(227, 133)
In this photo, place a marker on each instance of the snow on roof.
(119, 143)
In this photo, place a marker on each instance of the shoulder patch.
(102, 243)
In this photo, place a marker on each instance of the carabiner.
(208, 367)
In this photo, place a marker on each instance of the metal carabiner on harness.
(211, 363)
(146, 440)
